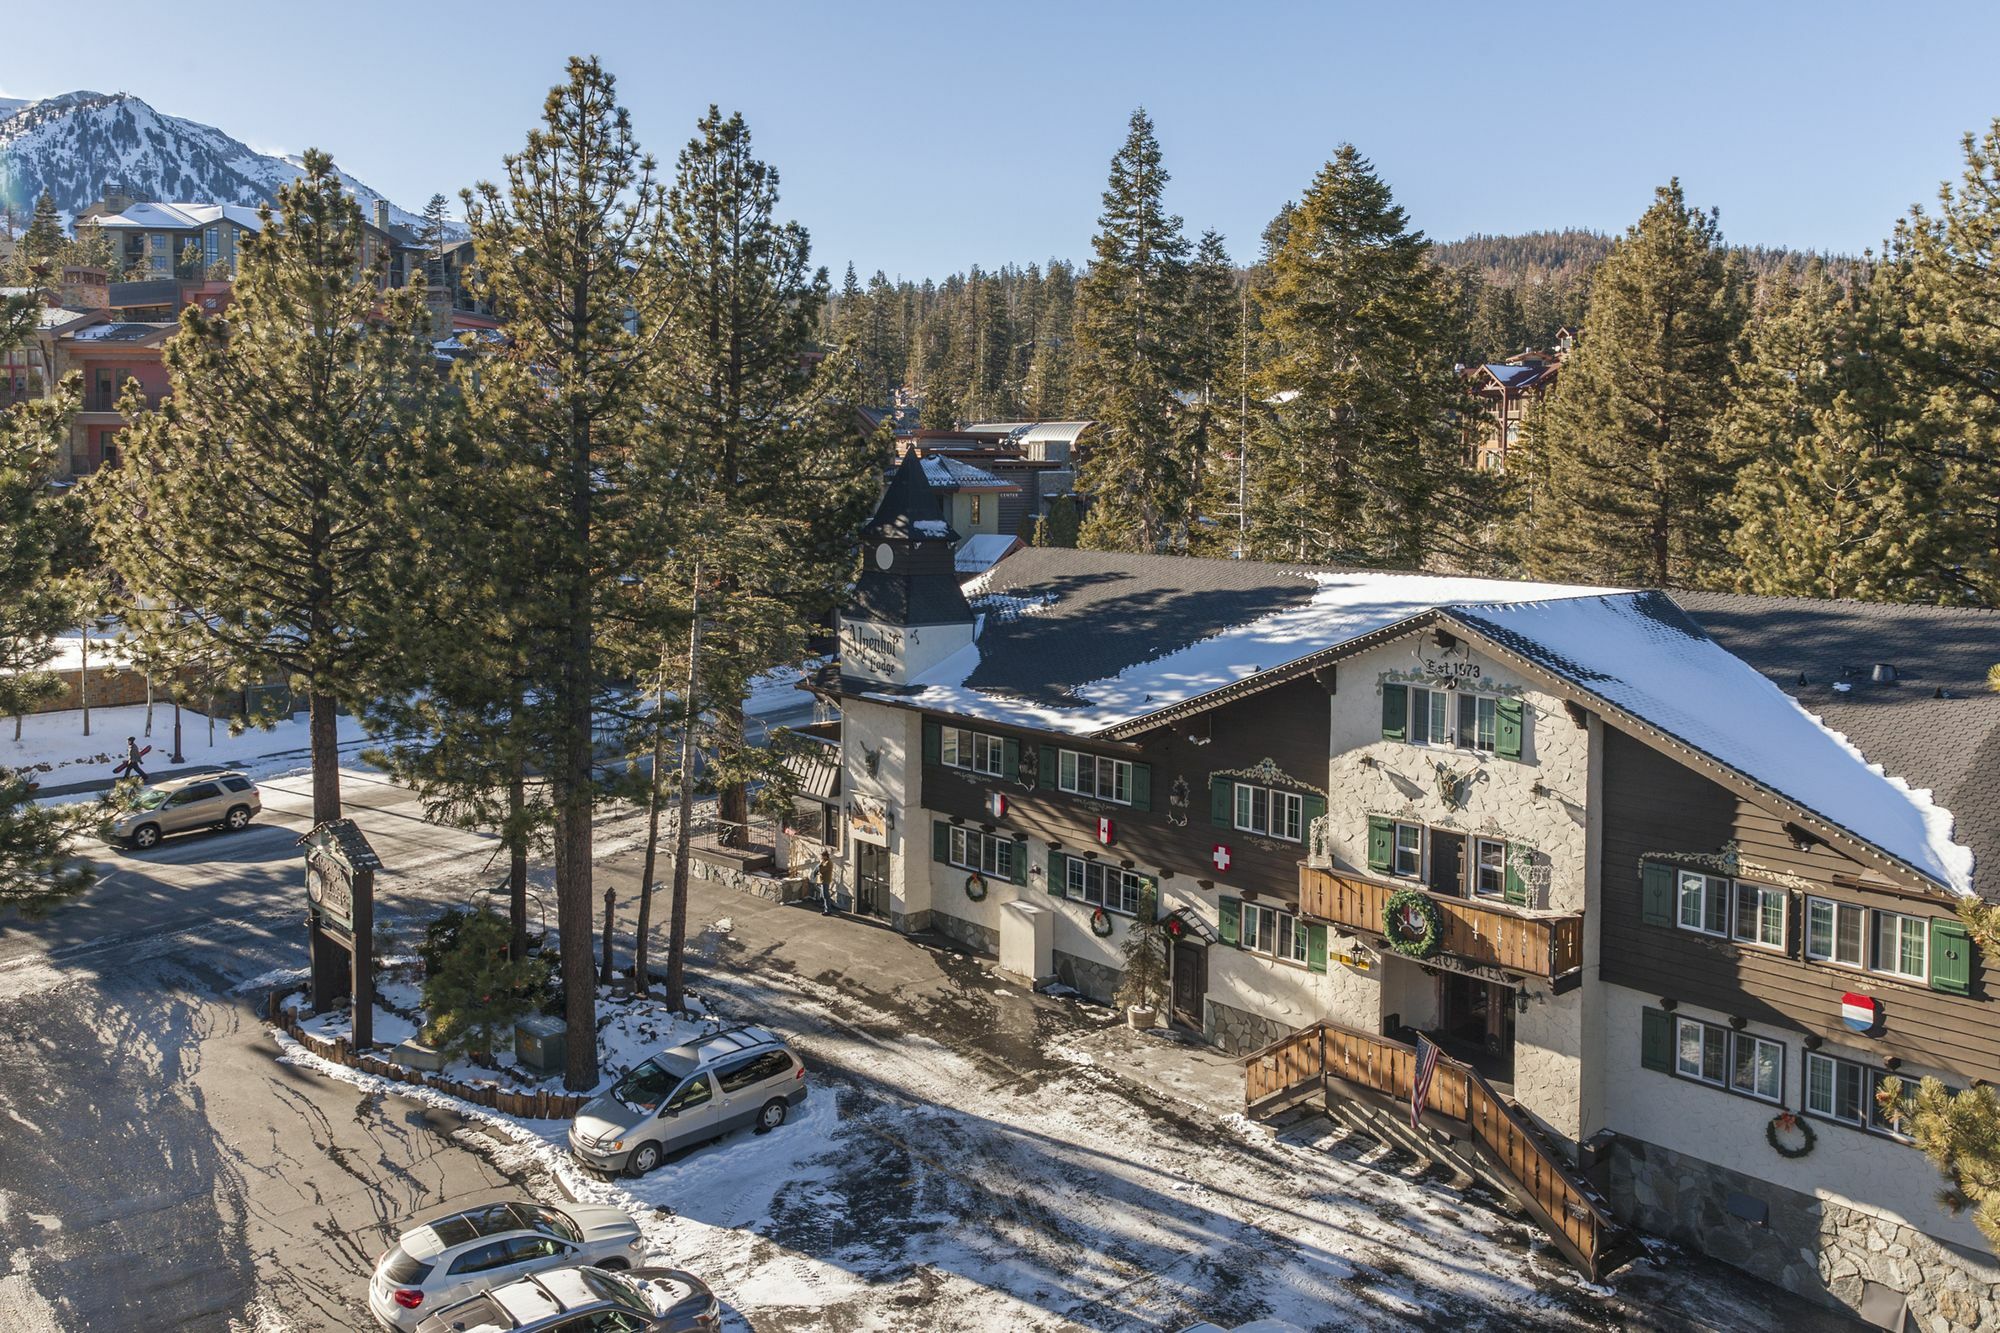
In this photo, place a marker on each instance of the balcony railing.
(1547, 945)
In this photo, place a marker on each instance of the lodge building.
(1669, 929)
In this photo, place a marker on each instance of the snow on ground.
(918, 1187)
(776, 690)
(53, 745)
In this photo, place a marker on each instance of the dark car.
(587, 1300)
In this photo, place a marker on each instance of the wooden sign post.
(340, 918)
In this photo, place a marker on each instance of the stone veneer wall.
(971, 934)
(909, 923)
(1237, 1031)
(1816, 1248)
(1090, 977)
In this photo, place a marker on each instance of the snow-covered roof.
(182, 217)
(983, 550)
(951, 474)
(1143, 634)
(1641, 653)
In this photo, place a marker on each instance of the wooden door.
(1190, 964)
(871, 879)
(1447, 863)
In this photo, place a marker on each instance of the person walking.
(132, 754)
(824, 873)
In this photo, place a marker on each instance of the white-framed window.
(974, 750)
(1274, 933)
(1110, 887)
(1836, 932)
(1757, 1067)
(1409, 851)
(1902, 945)
(975, 849)
(1430, 716)
(1095, 776)
(1760, 916)
(977, 507)
(1478, 721)
(1845, 1091)
(1278, 814)
(1701, 1051)
(1704, 903)
(1471, 723)
(1489, 867)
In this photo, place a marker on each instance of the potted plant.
(1143, 988)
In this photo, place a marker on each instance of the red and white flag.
(1220, 856)
(1105, 832)
(996, 805)
(1420, 1086)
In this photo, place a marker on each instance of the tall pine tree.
(1627, 478)
(1359, 460)
(1131, 357)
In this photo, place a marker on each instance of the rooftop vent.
(1882, 673)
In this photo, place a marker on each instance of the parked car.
(461, 1254)
(584, 1300)
(175, 805)
(688, 1095)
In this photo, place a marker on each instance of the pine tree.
(1946, 272)
(249, 503)
(1627, 477)
(431, 234)
(479, 989)
(567, 249)
(761, 437)
(1214, 373)
(1960, 1132)
(1830, 501)
(1131, 356)
(38, 526)
(42, 244)
(1359, 461)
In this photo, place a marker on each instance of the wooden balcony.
(1547, 945)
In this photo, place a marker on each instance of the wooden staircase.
(1467, 1128)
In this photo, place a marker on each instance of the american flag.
(1420, 1086)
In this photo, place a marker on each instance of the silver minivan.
(687, 1095)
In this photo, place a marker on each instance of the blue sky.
(921, 138)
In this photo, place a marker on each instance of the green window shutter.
(1142, 786)
(1316, 948)
(1017, 863)
(1514, 889)
(1656, 1040)
(1381, 842)
(1656, 894)
(1395, 712)
(933, 742)
(1314, 808)
(1229, 921)
(1045, 776)
(940, 840)
(1010, 759)
(1951, 957)
(1058, 873)
(1221, 792)
(1507, 726)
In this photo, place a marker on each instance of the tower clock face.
(885, 556)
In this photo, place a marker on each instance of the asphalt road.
(161, 1170)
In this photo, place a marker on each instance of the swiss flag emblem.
(1220, 856)
(1105, 832)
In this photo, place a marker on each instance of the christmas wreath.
(1100, 923)
(975, 886)
(1410, 922)
(1786, 1121)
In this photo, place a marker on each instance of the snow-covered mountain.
(75, 145)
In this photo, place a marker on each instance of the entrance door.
(1190, 983)
(871, 879)
(1476, 1022)
(1447, 863)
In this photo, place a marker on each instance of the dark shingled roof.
(1950, 745)
(1110, 612)
(908, 502)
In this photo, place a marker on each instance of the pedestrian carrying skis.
(824, 872)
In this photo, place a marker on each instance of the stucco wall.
(1371, 776)
(1866, 1172)
(895, 736)
(1548, 1059)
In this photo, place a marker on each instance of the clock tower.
(907, 613)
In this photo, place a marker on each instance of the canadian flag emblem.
(996, 804)
(1220, 856)
(1105, 832)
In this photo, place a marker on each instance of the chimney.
(1882, 673)
(382, 214)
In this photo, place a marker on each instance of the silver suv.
(463, 1253)
(212, 800)
(688, 1095)
(583, 1300)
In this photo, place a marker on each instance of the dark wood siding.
(1652, 805)
(1290, 725)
